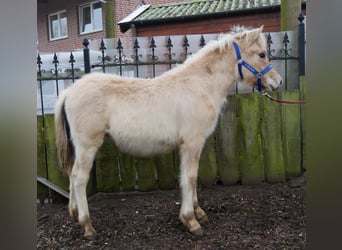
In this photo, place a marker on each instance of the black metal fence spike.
(286, 39)
(269, 42)
(153, 44)
(119, 47)
(72, 60)
(186, 42)
(202, 41)
(269, 39)
(102, 45)
(39, 60)
(169, 43)
(55, 59)
(136, 44)
(301, 17)
(85, 42)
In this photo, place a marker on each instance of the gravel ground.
(265, 216)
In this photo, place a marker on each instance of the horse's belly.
(143, 140)
(144, 146)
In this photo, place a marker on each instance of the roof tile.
(201, 7)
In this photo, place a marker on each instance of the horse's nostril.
(281, 83)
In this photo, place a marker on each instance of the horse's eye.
(262, 55)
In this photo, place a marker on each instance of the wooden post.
(289, 11)
(109, 19)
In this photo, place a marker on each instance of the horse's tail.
(65, 147)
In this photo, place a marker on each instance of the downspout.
(109, 19)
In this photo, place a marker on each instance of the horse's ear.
(254, 34)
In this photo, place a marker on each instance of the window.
(90, 17)
(58, 26)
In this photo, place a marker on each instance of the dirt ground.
(266, 216)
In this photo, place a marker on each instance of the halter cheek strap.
(241, 63)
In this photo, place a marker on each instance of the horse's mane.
(223, 41)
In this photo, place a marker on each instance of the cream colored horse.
(179, 108)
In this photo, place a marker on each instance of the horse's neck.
(216, 73)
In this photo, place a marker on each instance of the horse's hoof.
(197, 232)
(203, 218)
(90, 232)
(91, 237)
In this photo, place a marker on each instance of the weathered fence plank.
(146, 173)
(226, 142)
(272, 141)
(165, 171)
(291, 134)
(250, 147)
(107, 170)
(302, 90)
(55, 175)
(127, 171)
(207, 172)
(41, 163)
(42, 191)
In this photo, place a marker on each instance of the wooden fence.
(256, 140)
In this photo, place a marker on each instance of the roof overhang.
(126, 23)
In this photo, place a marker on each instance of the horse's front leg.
(190, 155)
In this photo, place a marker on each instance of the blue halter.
(258, 74)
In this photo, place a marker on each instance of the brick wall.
(74, 39)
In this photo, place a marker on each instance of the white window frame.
(58, 14)
(91, 4)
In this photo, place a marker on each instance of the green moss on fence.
(272, 141)
(55, 175)
(42, 191)
(207, 172)
(165, 171)
(127, 171)
(303, 119)
(291, 134)
(146, 173)
(250, 148)
(107, 170)
(226, 141)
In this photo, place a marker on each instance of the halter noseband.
(258, 74)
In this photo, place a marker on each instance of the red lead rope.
(264, 93)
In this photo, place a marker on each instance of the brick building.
(63, 24)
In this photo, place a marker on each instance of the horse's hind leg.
(190, 155)
(199, 213)
(78, 179)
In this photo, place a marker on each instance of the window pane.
(86, 19)
(97, 16)
(63, 24)
(54, 26)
